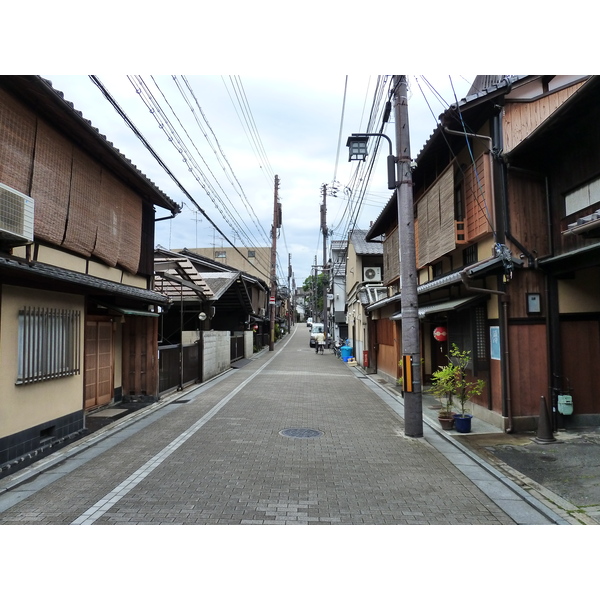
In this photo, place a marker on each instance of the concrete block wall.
(248, 344)
(217, 353)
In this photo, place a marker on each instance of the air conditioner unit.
(16, 217)
(372, 274)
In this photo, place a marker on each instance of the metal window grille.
(49, 344)
(481, 332)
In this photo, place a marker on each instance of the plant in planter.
(464, 389)
(452, 381)
(443, 382)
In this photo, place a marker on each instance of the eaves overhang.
(40, 275)
(382, 303)
(441, 307)
(570, 261)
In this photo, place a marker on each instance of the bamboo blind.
(110, 226)
(17, 138)
(131, 232)
(478, 198)
(50, 184)
(391, 257)
(435, 220)
(84, 205)
(79, 204)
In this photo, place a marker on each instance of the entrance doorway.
(99, 363)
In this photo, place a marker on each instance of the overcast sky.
(242, 131)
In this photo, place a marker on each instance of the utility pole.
(411, 345)
(273, 292)
(324, 231)
(290, 298)
(314, 292)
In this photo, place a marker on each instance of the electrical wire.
(146, 144)
(165, 124)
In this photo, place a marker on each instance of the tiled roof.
(361, 246)
(219, 283)
(173, 277)
(41, 271)
(482, 86)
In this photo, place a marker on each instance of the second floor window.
(582, 197)
(470, 255)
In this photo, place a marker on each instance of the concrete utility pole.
(290, 296)
(273, 292)
(324, 231)
(411, 345)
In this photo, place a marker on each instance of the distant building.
(254, 261)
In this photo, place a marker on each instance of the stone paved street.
(216, 455)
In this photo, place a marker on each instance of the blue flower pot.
(462, 424)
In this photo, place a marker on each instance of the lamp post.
(411, 344)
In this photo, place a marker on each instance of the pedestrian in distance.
(320, 343)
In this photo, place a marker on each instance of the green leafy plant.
(451, 381)
(443, 384)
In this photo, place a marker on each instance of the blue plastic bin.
(346, 353)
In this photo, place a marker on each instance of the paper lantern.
(440, 334)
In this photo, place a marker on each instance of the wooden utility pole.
(411, 344)
(273, 292)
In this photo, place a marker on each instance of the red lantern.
(440, 334)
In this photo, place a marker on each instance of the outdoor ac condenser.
(16, 217)
(372, 274)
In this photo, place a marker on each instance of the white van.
(309, 322)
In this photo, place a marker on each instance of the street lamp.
(357, 148)
(411, 350)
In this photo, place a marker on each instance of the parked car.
(309, 322)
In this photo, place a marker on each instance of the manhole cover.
(301, 432)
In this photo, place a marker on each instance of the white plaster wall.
(24, 406)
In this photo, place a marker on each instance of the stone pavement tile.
(238, 469)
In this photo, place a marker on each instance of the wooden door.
(99, 361)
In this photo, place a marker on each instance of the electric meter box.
(565, 405)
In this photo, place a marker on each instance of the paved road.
(216, 455)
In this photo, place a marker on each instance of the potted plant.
(452, 382)
(465, 389)
(443, 383)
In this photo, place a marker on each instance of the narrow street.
(292, 437)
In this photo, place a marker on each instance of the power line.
(138, 134)
(194, 168)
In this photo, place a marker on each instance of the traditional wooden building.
(78, 313)
(497, 275)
